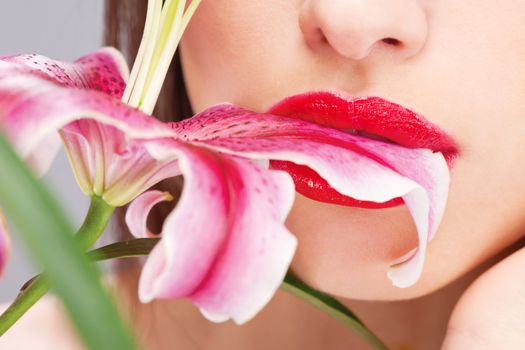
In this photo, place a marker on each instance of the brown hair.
(124, 26)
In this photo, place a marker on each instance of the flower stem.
(96, 221)
(331, 306)
(23, 302)
(94, 224)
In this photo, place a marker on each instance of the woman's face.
(461, 64)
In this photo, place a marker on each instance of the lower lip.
(330, 110)
(311, 185)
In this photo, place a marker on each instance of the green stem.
(125, 249)
(331, 306)
(23, 302)
(291, 284)
(96, 221)
(94, 224)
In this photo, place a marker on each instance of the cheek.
(239, 51)
(487, 196)
(481, 83)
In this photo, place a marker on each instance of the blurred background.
(65, 30)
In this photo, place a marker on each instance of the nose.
(354, 28)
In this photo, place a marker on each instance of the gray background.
(61, 29)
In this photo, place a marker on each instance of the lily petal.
(137, 212)
(104, 70)
(355, 166)
(101, 135)
(231, 263)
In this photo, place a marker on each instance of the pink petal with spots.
(355, 166)
(39, 114)
(104, 70)
(102, 135)
(137, 212)
(225, 245)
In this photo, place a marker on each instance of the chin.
(363, 284)
(346, 252)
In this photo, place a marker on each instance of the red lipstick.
(370, 117)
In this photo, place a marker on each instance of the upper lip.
(371, 116)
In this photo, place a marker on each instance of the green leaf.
(292, 284)
(49, 239)
(94, 224)
(125, 249)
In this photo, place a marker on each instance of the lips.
(368, 117)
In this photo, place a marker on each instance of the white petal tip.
(146, 293)
(404, 275)
(217, 318)
(400, 283)
(145, 297)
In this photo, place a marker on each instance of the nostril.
(321, 36)
(391, 41)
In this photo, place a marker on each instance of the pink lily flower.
(104, 161)
(225, 245)
(112, 145)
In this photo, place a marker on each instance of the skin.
(459, 64)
